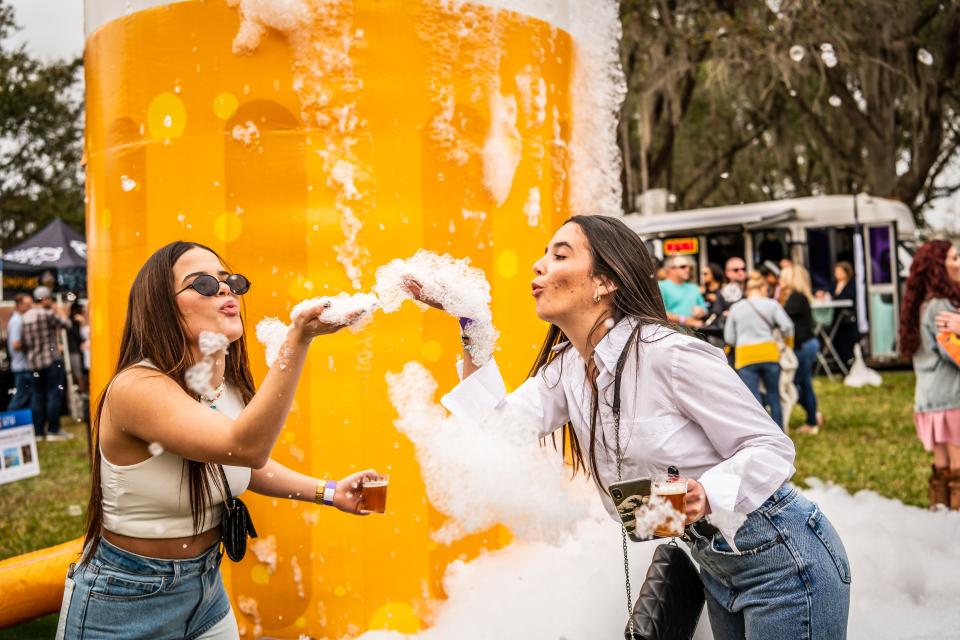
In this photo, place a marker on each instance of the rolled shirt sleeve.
(757, 456)
(540, 397)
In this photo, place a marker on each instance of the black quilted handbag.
(670, 600)
(237, 524)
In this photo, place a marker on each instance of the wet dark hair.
(154, 330)
(619, 255)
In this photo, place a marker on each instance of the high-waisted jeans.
(791, 578)
(119, 594)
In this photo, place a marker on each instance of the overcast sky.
(50, 28)
(54, 29)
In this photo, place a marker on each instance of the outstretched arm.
(277, 481)
(154, 408)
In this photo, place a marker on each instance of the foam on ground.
(904, 561)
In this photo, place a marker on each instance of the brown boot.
(938, 488)
(954, 486)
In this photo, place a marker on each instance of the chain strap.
(623, 529)
(618, 376)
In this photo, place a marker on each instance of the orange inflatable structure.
(308, 142)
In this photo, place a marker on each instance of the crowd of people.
(36, 355)
(763, 318)
(610, 322)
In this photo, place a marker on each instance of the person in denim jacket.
(932, 289)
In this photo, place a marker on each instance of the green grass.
(50, 508)
(868, 443)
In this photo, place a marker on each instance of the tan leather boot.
(954, 486)
(938, 489)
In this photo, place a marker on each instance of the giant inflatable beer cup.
(309, 143)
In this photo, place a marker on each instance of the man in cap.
(41, 339)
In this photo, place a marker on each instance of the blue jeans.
(769, 373)
(119, 594)
(803, 378)
(48, 392)
(22, 390)
(790, 580)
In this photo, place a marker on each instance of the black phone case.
(627, 495)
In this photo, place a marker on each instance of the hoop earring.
(596, 295)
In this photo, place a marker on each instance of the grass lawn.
(868, 443)
(46, 510)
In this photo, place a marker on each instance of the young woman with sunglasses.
(150, 566)
(783, 573)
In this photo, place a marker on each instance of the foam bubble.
(484, 473)
(339, 309)
(461, 289)
(501, 151)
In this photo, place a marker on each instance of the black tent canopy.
(57, 252)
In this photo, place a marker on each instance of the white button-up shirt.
(681, 404)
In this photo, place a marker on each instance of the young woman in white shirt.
(150, 567)
(783, 573)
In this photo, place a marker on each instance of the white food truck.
(817, 232)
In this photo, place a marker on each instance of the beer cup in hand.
(374, 492)
(673, 489)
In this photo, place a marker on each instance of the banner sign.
(681, 246)
(18, 446)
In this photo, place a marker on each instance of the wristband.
(683, 320)
(465, 322)
(325, 496)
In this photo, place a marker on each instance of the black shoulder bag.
(236, 522)
(671, 598)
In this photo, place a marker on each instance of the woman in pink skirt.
(931, 298)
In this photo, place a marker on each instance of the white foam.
(271, 332)
(532, 207)
(461, 289)
(259, 15)
(246, 134)
(484, 473)
(321, 36)
(904, 562)
(598, 91)
(341, 309)
(502, 149)
(265, 548)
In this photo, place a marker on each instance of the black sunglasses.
(207, 285)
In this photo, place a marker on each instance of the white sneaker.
(58, 437)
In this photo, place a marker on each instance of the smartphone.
(627, 495)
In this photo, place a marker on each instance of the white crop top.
(151, 499)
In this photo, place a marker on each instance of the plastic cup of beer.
(673, 489)
(374, 492)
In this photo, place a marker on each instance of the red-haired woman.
(932, 289)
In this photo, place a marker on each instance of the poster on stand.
(18, 446)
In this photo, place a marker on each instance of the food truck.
(817, 232)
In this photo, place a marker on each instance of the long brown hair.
(928, 279)
(619, 255)
(154, 330)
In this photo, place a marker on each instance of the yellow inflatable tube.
(31, 585)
